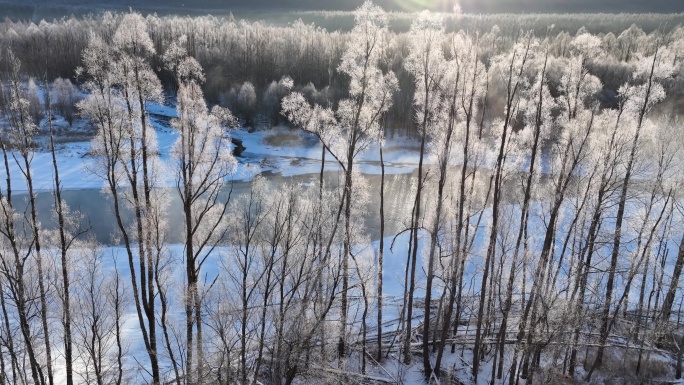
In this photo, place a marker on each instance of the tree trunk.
(498, 179)
(434, 239)
(380, 253)
(666, 310)
(524, 217)
(63, 252)
(414, 255)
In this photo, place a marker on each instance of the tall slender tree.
(204, 161)
(465, 87)
(638, 100)
(427, 64)
(19, 134)
(121, 83)
(355, 123)
(512, 69)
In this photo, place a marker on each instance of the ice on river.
(281, 150)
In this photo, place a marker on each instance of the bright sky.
(437, 5)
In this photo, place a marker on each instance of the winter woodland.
(539, 238)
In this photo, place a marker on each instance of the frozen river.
(97, 206)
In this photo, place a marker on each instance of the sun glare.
(433, 5)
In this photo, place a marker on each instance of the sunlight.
(433, 5)
(417, 191)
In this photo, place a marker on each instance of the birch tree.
(354, 125)
(121, 84)
(465, 89)
(638, 102)
(427, 64)
(22, 243)
(511, 67)
(204, 161)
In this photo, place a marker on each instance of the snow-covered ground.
(282, 150)
(136, 356)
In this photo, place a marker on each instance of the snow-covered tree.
(65, 97)
(356, 122)
(27, 288)
(121, 83)
(204, 160)
(246, 101)
(427, 64)
(511, 71)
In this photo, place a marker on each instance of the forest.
(33, 8)
(472, 199)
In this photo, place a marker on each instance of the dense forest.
(542, 241)
(254, 55)
(183, 7)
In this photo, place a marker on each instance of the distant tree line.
(520, 7)
(244, 61)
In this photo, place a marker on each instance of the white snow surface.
(280, 150)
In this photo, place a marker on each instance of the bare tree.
(121, 83)
(22, 128)
(512, 67)
(99, 300)
(204, 162)
(639, 100)
(354, 125)
(465, 87)
(426, 62)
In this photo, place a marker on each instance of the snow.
(287, 153)
(283, 151)
(280, 151)
(303, 155)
